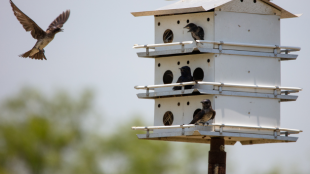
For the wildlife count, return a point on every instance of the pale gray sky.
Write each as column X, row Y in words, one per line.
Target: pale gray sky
column 95, row 51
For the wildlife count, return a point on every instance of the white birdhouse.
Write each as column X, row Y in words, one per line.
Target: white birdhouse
column 236, row 64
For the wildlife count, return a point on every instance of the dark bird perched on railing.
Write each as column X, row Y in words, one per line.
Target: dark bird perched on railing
column 186, row 76
column 196, row 31
column 43, row 37
column 206, row 114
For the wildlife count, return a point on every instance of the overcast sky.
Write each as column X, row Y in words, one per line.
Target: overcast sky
column 95, row 51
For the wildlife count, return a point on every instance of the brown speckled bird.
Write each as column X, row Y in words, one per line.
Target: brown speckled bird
column 206, row 114
column 43, row 37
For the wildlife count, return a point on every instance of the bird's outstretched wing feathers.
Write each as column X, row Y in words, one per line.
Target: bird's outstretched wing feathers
column 28, row 24
column 197, row 117
column 59, row 21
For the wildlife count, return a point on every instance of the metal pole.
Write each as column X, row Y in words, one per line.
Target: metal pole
column 217, row 156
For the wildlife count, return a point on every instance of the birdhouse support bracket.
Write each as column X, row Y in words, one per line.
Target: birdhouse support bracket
column 147, row 92
column 275, row 50
column 221, row 46
column 220, row 88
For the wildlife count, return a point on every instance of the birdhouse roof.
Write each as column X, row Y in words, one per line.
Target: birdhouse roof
column 191, row 6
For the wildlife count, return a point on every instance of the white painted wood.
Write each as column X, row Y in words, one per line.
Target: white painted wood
column 247, row 28
column 190, row 6
column 247, row 111
column 182, row 34
column 183, row 114
column 248, row 70
column 248, row 6
column 195, row 61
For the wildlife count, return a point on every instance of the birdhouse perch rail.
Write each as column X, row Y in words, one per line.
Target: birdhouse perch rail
column 284, row 130
column 289, row 48
column 150, row 87
column 286, row 49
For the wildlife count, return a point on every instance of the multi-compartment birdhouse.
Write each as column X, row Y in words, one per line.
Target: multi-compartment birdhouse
column 235, row 63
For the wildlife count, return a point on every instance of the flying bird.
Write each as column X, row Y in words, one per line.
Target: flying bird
column 43, row 37
column 186, row 76
column 196, row 31
column 206, row 114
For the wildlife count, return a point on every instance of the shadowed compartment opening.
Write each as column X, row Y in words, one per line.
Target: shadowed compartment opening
column 198, row 74
column 168, row 118
column 196, row 111
column 168, row 77
column 168, row 36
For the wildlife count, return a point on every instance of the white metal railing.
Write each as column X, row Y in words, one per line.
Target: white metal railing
column 275, row 88
column 163, row 45
column 286, row 49
column 251, row 45
column 276, row 130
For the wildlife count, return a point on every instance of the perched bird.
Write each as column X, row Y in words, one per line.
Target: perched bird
column 186, row 76
column 43, row 37
column 196, row 31
column 206, row 114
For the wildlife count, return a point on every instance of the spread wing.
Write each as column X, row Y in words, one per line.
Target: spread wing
column 28, row 24
column 197, row 117
column 59, row 21
column 213, row 115
column 200, row 33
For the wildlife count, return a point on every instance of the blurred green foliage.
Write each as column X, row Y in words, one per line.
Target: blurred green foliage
column 43, row 135
column 62, row 134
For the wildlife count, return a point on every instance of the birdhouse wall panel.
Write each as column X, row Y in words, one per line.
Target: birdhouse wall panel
column 203, row 61
column 249, row 6
column 247, row 28
column 162, row 23
column 182, row 114
column 247, row 111
column 249, row 70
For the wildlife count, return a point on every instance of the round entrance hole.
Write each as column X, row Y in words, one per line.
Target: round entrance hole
column 188, row 103
column 208, row 19
column 158, row 64
column 254, row 1
column 168, row 77
column 196, row 111
column 158, row 105
column 187, row 21
column 198, row 74
column 158, row 23
column 168, row 118
column 168, row 36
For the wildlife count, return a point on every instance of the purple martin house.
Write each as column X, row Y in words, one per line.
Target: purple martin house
column 237, row 66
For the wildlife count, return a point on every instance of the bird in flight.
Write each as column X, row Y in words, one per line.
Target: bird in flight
column 196, row 31
column 43, row 37
column 186, row 76
column 206, row 114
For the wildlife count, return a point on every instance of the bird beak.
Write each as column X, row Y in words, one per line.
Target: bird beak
column 62, row 30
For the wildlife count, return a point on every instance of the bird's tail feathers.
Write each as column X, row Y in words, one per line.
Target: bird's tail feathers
column 26, row 54
column 39, row 55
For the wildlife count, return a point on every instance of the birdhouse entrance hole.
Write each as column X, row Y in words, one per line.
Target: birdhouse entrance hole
column 196, row 111
column 198, row 74
column 168, row 118
column 168, row 77
column 168, row 36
